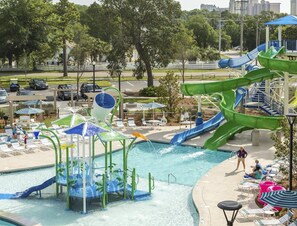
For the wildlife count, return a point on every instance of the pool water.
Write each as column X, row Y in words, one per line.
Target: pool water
column 170, row 205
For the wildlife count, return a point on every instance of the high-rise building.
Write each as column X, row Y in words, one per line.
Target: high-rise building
column 294, row 7
column 254, row 7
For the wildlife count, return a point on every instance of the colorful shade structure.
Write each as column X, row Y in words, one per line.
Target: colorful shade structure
column 85, row 129
column 35, row 102
column 70, row 120
column 282, row 198
column 29, row 111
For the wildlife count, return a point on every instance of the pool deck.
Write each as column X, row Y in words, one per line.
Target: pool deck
column 219, row 184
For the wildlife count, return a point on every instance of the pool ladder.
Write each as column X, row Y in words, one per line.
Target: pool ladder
column 170, row 175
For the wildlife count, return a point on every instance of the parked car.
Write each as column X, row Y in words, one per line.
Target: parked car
column 14, row 87
column 38, row 84
column 66, row 94
column 3, row 96
column 88, row 88
column 24, row 92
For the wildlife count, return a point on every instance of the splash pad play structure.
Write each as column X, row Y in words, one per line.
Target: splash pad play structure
column 265, row 89
column 74, row 143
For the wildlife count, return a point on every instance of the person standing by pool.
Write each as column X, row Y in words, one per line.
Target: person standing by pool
column 241, row 155
column 14, row 132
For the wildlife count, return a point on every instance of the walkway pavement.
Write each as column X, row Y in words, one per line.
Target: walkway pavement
column 219, row 184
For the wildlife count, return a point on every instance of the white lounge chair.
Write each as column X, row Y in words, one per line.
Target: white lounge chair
column 45, row 142
column 248, row 212
column 30, row 144
column 119, row 123
column 5, row 148
column 131, row 122
column 281, row 221
column 16, row 146
column 294, row 223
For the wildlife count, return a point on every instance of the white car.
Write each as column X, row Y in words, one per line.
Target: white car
column 3, row 96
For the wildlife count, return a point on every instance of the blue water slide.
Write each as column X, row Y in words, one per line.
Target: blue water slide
column 239, row 61
column 27, row 192
column 209, row 125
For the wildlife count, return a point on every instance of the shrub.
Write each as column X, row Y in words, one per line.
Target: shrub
column 151, row 91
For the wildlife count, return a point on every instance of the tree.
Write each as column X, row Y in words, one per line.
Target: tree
column 26, row 28
column 65, row 16
column 282, row 146
column 182, row 43
column 169, row 92
column 148, row 25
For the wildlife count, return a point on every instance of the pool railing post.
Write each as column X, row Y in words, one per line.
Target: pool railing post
column 104, row 191
column 67, row 179
column 133, row 183
column 58, row 140
column 125, row 169
column 105, row 156
column 150, row 182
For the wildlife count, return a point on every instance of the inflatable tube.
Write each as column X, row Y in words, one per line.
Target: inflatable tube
column 102, row 105
column 265, row 184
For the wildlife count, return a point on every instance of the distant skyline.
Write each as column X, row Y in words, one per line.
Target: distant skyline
column 195, row 4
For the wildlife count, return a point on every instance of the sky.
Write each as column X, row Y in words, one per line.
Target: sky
column 195, row 4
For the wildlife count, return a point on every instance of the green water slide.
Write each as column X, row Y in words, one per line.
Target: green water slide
column 236, row 122
column 221, row 86
column 273, row 60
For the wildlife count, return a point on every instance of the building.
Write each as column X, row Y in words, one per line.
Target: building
column 209, row 7
column 294, row 7
column 254, row 7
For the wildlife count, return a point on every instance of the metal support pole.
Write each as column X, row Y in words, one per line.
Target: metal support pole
column 94, row 76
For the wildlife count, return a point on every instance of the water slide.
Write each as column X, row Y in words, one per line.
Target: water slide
column 237, row 122
column 238, row 62
column 209, row 125
column 27, row 192
column 213, row 87
column 226, row 86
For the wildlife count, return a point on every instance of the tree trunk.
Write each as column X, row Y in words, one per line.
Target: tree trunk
column 145, row 58
column 65, row 61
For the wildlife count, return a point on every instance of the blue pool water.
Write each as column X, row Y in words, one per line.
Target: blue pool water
column 171, row 204
column 186, row 163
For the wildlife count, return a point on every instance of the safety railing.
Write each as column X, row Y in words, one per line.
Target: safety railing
column 170, row 175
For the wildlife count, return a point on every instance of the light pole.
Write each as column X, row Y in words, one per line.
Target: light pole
column 291, row 119
column 94, row 63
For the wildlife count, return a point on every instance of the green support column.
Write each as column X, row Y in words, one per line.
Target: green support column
column 67, row 179
column 104, row 198
column 124, row 169
column 56, row 161
column 110, row 157
column 105, row 156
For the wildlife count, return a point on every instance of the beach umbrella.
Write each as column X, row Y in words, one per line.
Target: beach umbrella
column 29, row 111
column 35, row 102
column 282, row 198
column 70, row 120
column 152, row 105
column 85, row 129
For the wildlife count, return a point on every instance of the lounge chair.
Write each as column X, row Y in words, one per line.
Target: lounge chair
column 281, row 221
column 143, row 122
column 131, row 122
column 248, row 212
column 294, row 223
column 16, row 146
column 119, row 123
column 5, row 148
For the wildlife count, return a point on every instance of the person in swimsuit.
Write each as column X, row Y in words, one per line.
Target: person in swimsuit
column 241, row 155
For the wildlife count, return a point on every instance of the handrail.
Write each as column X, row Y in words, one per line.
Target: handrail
column 171, row 175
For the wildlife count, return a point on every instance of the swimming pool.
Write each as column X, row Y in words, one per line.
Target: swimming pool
column 171, row 204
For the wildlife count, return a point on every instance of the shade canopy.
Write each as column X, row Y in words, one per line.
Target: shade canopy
column 153, row 105
column 70, row 120
column 35, row 102
column 85, row 129
column 29, row 111
column 282, row 198
column 286, row 20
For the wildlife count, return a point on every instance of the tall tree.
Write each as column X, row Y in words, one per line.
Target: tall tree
column 148, row 25
column 65, row 16
column 25, row 28
column 183, row 42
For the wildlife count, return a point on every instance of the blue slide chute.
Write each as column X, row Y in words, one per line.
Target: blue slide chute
column 26, row 193
column 209, row 125
column 238, row 62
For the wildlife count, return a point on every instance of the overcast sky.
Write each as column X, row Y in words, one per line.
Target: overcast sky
column 195, row 4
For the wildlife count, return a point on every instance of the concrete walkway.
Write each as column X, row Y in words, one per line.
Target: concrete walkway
column 220, row 183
